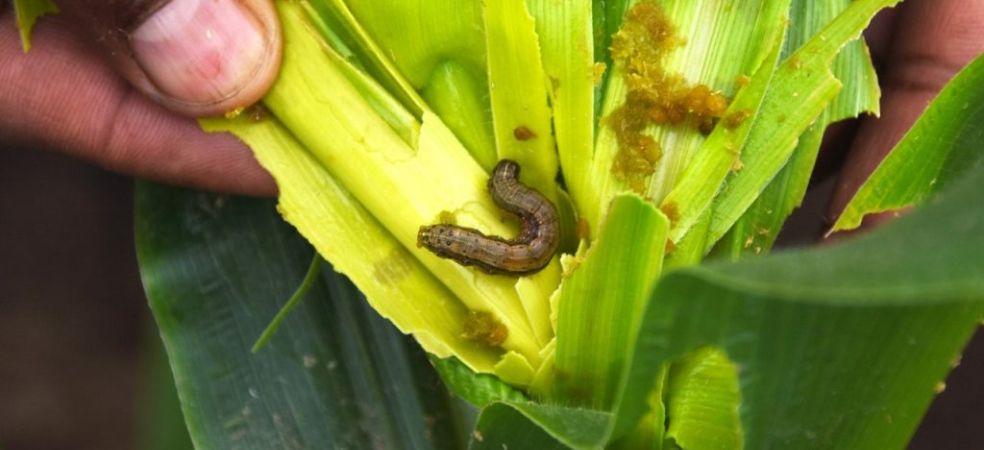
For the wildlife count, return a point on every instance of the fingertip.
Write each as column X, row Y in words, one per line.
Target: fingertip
column 206, row 57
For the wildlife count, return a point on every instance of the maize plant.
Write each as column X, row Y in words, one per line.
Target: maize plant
column 669, row 140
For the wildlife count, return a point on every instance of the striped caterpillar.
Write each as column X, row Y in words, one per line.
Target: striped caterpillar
column 529, row 252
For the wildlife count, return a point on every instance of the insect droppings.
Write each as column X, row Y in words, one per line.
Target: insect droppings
column 529, row 252
column 522, row 133
column 483, row 327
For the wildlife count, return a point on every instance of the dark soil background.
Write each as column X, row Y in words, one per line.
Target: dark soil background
column 73, row 318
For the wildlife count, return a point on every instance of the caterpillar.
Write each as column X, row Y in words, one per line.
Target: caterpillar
column 528, row 252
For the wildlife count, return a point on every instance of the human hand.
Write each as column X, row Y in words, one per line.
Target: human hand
column 117, row 82
column 918, row 48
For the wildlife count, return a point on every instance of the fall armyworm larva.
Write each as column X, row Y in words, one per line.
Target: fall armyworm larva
column 529, row 252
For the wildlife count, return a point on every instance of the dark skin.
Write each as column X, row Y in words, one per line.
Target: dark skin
column 68, row 95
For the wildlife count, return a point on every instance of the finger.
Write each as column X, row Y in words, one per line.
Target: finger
column 878, row 36
column 196, row 57
column 62, row 95
column 932, row 41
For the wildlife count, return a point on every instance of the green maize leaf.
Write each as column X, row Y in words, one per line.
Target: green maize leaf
column 28, row 12
column 534, row 426
column 461, row 100
column 216, row 269
column 650, row 431
column 723, row 43
column 389, row 110
column 314, row 270
column 419, row 34
column 756, row 231
column 605, row 361
column 396, row 285
column 602, row 299
column 692, row 248
column 852, row 66
column 702, row 402
column 758, row 228
column 806, row 79
column 439, row 46
column 523, row 432
column 840, row 347
column 348, row 36
column 606, row 18
column 477, row 389
column 160, row 425
column 564, row 29
column 702, row 179
column 941, row 146
column 523, row 130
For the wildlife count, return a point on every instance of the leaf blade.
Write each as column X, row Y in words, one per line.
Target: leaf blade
column 804, row 77
column 211, row 297
column 798, row 322
column 760, row 225
column 602, row 299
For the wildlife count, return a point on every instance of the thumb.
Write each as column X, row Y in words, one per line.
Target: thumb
column 196, row 57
